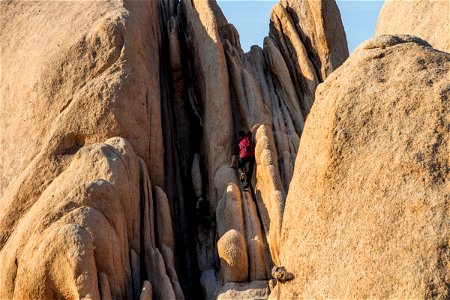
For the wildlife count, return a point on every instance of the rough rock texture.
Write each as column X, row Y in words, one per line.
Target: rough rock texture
column 367, row 210
column 86, row 222
column 269, row 188
column 318, row 26
column 233, row 256
column 103, row 283
column 281, row 275
column 258, row 255
column 252, row 290
column 168, row 80
column 229, row 211
column 427, row 19
column 276, row 85
column 70, row 212
column 270, row 85
column 65, row 82
column 204, row 19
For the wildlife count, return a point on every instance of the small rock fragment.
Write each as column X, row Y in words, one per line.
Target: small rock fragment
column 281, row 274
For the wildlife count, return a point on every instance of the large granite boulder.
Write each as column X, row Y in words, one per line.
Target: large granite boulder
column 367, row 210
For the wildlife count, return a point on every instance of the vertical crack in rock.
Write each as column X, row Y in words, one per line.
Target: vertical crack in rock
column 265, row 85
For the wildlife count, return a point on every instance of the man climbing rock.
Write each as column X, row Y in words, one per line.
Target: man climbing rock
column 245, row 148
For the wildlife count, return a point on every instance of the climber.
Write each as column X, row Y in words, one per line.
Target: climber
column 245, row 148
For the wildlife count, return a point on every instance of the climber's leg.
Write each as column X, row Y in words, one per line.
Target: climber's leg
column 248, row 168
column 241, row 166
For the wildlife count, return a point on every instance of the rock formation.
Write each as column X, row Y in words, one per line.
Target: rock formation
column 367, row 211
column 85, row 228
column 72, row 205
column 118, row 120
column 427, row 19
column 117, row 123
column 266, row 85
column 243, row 291
column 233, row 257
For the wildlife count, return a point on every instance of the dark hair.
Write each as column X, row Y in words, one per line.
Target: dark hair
column 241, row 133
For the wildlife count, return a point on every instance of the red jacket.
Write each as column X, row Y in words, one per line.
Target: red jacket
column 245, row 146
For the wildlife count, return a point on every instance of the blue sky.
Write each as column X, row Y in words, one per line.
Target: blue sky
column 252, row 18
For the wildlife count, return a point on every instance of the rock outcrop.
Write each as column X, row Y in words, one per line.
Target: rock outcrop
column 72, row 207
column 268, row 85
column 117, row 122
column 83, row 232
column 427, row 19
column 367, row 210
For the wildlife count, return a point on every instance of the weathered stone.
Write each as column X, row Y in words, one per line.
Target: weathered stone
column 175, row 283
column 270, row 195
column 223, row 178
column 259, row 261
column 229, row 213
column 281, row 275
column 204, row 20
column 286, row 90
column 427, row 19
column 250, row 290
column 365, row 215
column 162, row 286
column 81, row 199
column 79, row 73
column 170, row 78
column 233, row 257
column 319, row 26
column 92, row 208
column 72, row 70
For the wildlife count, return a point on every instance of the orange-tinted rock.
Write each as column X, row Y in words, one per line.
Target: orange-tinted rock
column 232, row 251
column 366, row 211
column 170, row 81
column 427, row 19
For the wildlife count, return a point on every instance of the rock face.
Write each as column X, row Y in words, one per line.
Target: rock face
column 427, row 19
column 71, row 207
column 76, row 213
column 253, row 290
column 312, row 32
column 118, row 120
column 232, row 252
column 68, row 85
column 85, row 222
column 268, row 85
column 367, row 210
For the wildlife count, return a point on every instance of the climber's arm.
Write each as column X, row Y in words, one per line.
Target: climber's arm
column 233, row 160
column 255, row 127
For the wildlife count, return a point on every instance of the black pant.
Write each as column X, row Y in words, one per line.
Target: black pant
column 246, row 164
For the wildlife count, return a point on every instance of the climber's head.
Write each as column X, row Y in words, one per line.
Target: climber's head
column 241, row 133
